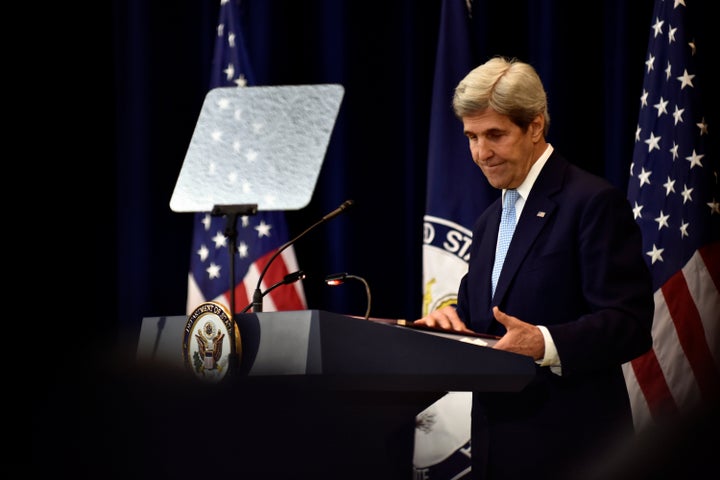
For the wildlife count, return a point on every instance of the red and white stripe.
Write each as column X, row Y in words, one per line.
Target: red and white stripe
column 284, row 298
column 681, row 373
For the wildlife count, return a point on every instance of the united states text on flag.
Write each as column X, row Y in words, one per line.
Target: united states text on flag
column 673, row 189
column 442, row 435
column 259, row 235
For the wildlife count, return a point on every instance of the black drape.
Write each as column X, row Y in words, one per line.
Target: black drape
column 591, row 58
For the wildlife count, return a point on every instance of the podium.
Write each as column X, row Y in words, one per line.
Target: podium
column 317, row 394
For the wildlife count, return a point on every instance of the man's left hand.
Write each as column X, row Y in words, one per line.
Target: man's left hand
column 521, row 337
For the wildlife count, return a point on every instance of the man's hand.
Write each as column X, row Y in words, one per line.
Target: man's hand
column 521, row 337
column 445, row 318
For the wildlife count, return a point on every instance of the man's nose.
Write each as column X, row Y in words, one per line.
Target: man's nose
column 481, row 151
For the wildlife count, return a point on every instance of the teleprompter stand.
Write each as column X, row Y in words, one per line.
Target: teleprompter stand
column 255, row 148
column 231, row 214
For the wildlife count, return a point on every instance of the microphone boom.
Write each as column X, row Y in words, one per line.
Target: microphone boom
column 257, row 303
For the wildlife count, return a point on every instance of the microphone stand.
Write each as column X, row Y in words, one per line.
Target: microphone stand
column 257, row 302
column 231, row 212
column 287, row 280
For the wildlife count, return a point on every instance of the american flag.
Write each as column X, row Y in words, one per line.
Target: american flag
column 259, row 235
column 673, row 189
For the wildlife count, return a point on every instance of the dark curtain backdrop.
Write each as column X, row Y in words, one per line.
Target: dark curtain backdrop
column 590, row 55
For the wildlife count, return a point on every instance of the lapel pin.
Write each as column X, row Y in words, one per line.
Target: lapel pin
column 541, row 214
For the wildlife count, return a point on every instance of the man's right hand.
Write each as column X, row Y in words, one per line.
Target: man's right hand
column 445, row 318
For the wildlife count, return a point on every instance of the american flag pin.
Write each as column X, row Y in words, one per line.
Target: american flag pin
column 541, row 214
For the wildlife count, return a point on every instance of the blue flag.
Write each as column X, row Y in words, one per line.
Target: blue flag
column 260, row 235
column 457, row 193
column 673, row 188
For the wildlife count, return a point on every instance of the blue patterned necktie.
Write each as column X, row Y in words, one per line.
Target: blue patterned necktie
column 507, row 227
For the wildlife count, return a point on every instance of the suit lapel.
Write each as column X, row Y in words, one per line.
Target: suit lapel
column 538, row 210
column 487, row 243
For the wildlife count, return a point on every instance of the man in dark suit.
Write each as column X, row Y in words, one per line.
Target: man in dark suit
column 573, row 293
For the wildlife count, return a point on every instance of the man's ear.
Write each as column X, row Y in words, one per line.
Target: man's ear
column 537, row 127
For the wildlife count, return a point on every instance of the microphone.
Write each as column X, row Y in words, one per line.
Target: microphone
column 339, row 279
column 345, row 205
column 257, row 303
column 287, row 279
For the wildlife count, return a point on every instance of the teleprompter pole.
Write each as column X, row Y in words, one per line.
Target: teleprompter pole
column 231, row 213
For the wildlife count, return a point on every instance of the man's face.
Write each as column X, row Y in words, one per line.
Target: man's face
column 501, row 149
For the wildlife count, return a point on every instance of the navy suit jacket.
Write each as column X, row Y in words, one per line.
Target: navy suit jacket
column 576, row 266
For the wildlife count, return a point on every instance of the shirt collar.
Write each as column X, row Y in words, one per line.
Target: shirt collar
column 526, row 185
